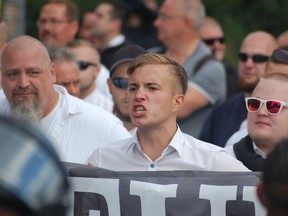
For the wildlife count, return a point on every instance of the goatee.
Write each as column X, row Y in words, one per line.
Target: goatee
column 26, row 110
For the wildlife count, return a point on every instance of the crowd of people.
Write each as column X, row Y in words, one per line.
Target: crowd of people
column 149, row 93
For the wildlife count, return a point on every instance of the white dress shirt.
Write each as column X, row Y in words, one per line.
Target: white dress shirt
column 238, row 135
column 2, row 95
column 101, row 82
column 116, row 41
column 183, row 153
column 77, row 128
column 97, row 98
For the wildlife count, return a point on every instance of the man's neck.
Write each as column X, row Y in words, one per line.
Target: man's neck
column 265, row 147
column 125, row 118
column 54, row 101
column 247, row 94
column 153, row 141
column 106, row 41
column 88, row 90
column 128, row 125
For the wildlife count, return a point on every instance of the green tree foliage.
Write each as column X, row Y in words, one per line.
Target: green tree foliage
column 237, row 17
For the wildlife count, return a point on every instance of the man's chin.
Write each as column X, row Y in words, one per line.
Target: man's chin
column 248, row 87
column 26, row 111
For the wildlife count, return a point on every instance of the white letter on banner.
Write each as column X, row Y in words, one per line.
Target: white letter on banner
column 249, row 194
column 152, row 196
column 109, row 188
column 218, row 196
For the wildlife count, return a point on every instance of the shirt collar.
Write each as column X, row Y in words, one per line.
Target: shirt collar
column 177, row 143
column 116, row 41
column 70, row 102
column 258, row 151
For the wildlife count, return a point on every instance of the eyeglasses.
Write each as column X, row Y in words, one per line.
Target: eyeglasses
column 257, row 58
column 53, row 22
column 121, row 83
column 83, row 65
column 165, row 17
column 211, row 41
column 273, row 107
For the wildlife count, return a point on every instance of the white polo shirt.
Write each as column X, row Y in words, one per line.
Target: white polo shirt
column 76, row 128
column 183, row 153
column 98, row 98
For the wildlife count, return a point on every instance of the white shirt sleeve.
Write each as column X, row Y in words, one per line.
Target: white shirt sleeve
column 225, row 162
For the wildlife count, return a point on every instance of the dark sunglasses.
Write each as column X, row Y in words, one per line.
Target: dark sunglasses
column 121, row 83
column 257, row 58
column 83, row 65
column 211, row 41
column 273, row 107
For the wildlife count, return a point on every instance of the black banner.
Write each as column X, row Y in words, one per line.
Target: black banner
column 100, row 192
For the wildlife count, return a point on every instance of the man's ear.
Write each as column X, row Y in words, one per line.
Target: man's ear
column 179, row 101
column 189, row 22
column 117, row 23
column 74, row 27
column 109, row 83
column 53, row 72
column 261, row 194
column 97, row 71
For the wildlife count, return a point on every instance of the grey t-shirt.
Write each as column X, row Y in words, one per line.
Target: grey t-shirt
column 210, row 79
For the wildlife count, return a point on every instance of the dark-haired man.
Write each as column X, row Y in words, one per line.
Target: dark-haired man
column 118, row 82
column 58, row 22
column 108, row 28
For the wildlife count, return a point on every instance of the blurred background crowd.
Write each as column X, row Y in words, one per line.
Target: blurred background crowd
column 237, row 17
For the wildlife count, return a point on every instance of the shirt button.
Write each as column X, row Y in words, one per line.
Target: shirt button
column 152, row 165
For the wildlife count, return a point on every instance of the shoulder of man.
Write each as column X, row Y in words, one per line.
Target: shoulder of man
column 76, row 106
column 202, row 60
column 4, row 106
column 226, row 105
column 96, row 119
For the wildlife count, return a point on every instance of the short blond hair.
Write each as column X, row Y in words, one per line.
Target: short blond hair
column 159, row 59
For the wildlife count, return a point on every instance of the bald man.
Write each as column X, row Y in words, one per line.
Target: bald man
column 278, row 62
column 178, row 30
column 226, row 119
column 212, row 34
column 283, row 39
column 75, row 127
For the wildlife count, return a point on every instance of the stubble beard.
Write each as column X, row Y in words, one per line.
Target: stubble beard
column 122, row 116
column 247, row 87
